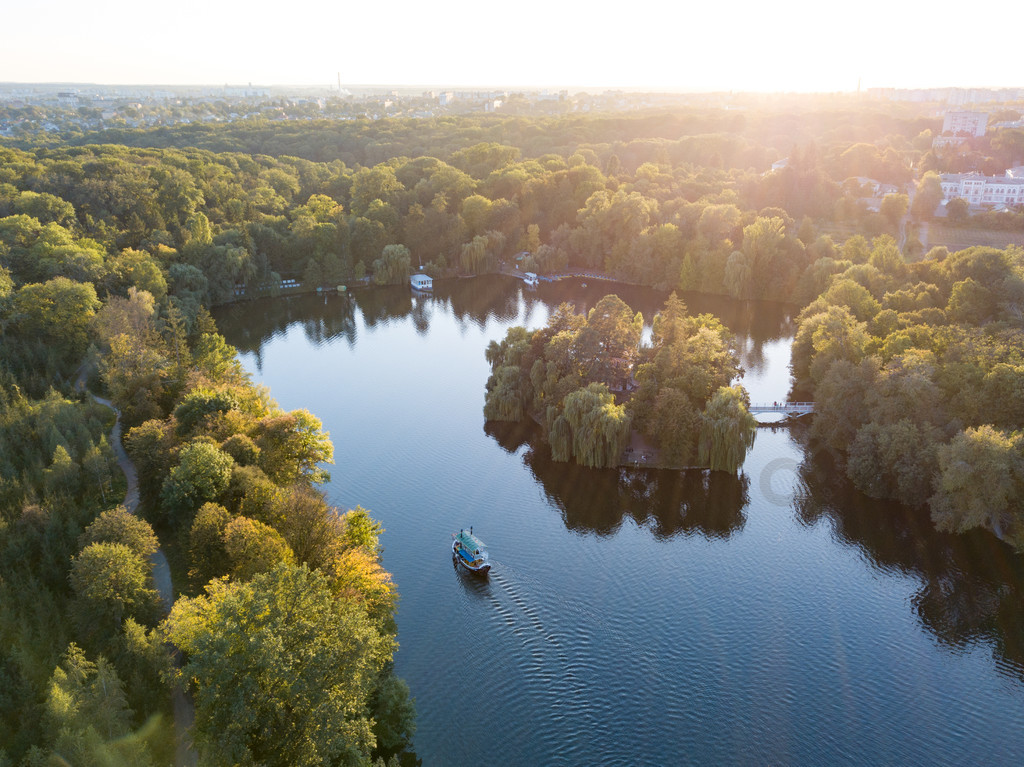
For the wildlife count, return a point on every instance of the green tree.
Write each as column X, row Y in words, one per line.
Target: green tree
column 57, row 313
column 292, row 446
column 311, row 528
column 958, row 210
column 253, row 548
column 281, row 670
column 394, row 714
column 476, row 212
column 376, row 183
column 136, row 373
column 600, row 428
column 739, row 276
column 887, row 259
column 894, row 459
column 97, row 463
column 111, row 582
column 136, row 269
column 64, row 476
column 202, row 474
column 506, row 399
column 393, row 267
column 727, row 430
column 825, row 337
column 207, row 556
column 894, row 208
column 676, row 425
column 88, row 715
column 118, row 525
column 840, row 402
column 608, row 345
column 981, row 482
column 359, row 530
column 929, row 195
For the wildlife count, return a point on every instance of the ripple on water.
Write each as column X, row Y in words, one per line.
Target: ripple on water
column 780, row 619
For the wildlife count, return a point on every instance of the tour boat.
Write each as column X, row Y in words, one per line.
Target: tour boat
column 470, row 552
column 531, row 279
column 421, row 282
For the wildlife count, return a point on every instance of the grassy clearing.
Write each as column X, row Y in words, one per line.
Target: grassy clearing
column 956, row 238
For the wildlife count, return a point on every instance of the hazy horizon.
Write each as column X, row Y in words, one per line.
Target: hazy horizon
column 795, row 48
column 504, row 87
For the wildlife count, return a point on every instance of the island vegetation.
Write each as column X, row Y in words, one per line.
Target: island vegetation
column 114, row 245
column 589, row 382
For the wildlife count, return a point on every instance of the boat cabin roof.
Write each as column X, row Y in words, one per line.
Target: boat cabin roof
column 470, row 541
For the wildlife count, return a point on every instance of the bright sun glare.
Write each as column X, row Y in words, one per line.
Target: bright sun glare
column 745, row 45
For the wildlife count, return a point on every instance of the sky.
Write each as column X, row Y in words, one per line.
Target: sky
column 738, row 45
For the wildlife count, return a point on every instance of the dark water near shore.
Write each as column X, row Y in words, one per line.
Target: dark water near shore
column 641, row 618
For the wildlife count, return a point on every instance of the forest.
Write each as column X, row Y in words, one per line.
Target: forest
column 113, row 246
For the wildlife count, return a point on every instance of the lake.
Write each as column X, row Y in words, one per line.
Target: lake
column 640, row 617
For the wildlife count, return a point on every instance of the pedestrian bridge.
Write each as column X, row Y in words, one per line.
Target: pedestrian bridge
column 794, row 409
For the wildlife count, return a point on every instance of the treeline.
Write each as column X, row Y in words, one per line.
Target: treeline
column 228, row 481
column 917, row 371
column 675, row 391
column 776, row 126
column 208, row 228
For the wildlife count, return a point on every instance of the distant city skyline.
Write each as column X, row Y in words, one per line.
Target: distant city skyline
column 798, row 46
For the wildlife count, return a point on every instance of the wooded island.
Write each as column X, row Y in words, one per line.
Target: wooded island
column 589, row 383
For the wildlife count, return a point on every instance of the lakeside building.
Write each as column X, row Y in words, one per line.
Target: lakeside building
column 985, row 191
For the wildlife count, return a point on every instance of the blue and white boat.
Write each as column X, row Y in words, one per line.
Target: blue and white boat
column 531, row 280
column 422, row 283
column 470, row 552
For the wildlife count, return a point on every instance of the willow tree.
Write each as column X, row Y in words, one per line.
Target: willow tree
column 508, row 388
column 600, row 428
column 504, row 400
column 560, row 437
column 726, row 431
column 739, row 275
column 393, row 266
column 981, row 483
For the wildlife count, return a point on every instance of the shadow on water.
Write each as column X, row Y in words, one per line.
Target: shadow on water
column 478, row 300
column 322, row 317
column 669, row 503
column 476, row 586
column 971, row 584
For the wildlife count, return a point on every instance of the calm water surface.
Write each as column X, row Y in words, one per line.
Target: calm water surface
column 641, row 618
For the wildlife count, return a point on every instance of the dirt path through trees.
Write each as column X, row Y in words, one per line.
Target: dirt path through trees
column 184, row 710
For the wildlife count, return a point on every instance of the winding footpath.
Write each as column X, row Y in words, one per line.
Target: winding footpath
column 184, row 710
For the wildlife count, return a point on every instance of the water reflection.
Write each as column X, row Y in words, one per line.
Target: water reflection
column 669, row 503
column 251, row 324
column 971, row 584
column 479, row 300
